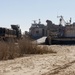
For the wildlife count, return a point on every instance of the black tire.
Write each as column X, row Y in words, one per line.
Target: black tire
column 47, row 41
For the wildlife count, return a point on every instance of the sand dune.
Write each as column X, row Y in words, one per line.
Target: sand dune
column 60, row 63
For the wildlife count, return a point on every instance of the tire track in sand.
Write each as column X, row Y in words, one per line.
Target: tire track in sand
column 58, row 69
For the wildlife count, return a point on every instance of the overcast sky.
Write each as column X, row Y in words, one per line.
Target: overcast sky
column 22, row 12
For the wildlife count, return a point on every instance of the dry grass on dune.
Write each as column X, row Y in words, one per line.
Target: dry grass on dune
column 10, row 50
column 27, row 47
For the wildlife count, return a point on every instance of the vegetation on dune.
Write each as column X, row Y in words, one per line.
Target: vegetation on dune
column 10, row 50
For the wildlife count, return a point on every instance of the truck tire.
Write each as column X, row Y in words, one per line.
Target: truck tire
column 48, row 41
